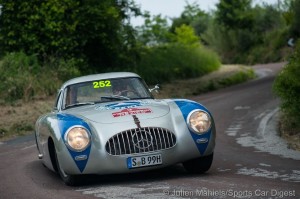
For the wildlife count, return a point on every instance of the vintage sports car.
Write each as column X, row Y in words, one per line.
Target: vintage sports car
column 110, row 123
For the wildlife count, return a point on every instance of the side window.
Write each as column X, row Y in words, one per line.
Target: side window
column 56, row 105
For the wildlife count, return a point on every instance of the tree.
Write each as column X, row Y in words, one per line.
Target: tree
column 234, row 14
column 97, row 31
column 185, row 35
column 38, row 27
column 154, row 31
column 192, row 16
column 295, row 23
column 107, row 38
column 267, row 18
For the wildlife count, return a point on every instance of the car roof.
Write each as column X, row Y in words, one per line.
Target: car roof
column 99, row 76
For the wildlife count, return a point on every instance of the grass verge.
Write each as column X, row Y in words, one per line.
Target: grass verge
column 19, row 118
column 226, row 76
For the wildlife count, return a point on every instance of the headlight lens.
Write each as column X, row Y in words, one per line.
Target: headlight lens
column 77, row 138
column 199, row 121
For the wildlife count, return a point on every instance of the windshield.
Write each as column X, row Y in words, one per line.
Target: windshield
column 105, row 90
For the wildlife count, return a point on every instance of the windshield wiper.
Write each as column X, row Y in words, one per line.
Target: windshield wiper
column 80, row 104
column 118, row 97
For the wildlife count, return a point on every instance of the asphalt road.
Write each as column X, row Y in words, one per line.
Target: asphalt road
column 250, row 161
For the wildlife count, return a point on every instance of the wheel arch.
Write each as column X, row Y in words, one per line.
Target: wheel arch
column 51, row 148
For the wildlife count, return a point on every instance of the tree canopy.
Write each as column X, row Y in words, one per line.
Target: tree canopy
column 97, row 31
column 235, row 14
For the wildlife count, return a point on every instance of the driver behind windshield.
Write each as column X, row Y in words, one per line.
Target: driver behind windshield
column 119, row 89
column 122, row 88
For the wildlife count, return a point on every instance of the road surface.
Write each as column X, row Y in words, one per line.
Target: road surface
column 250, row 161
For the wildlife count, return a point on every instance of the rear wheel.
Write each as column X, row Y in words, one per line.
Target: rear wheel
column 70, row 180
column 199, row 165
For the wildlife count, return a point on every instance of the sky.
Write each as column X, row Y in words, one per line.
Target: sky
column 173, row 8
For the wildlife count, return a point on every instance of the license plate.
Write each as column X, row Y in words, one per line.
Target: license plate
column 144, row 161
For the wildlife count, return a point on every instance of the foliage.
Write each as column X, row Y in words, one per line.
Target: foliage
column 67, row 38
column 267, row 18
column 192, row 16
column 23, row 78
column 186, row 35
column 97, row 31
column 16, row 78
column 231, row 74
column 272, row 49
column 287, row 86
column 176, row 61
column 295, row 21
column 239, row 77
column 172, row 55
column 155, row 30
column 230, row 44
column 181, row 57
column 262, row 40
column 235, row 14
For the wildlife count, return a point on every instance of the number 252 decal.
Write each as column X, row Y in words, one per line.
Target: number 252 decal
column 101, row 84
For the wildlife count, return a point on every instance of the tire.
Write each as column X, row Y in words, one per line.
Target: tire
column 199, row 165
column 70, row 180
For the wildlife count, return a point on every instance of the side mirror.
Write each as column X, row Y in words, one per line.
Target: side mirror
column 156, row 88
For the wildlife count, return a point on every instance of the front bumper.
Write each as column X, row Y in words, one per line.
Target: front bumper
column 101, row 162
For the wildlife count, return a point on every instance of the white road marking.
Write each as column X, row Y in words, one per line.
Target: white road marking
column 260, row 116
column 267, row 140
column 231, row 133
column 241, row 107
column 263, row 123
column 245, row 134
column 125, row 192
column 233, row 129
column 28, row 147
column 236, row 127
column 264, row 165
column 1, row 143
column 258, row 172
column 223, row 170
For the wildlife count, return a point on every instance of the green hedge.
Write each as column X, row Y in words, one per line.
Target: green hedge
column 287, row 86
column 175, row 61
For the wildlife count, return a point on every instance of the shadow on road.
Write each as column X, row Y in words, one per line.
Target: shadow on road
column 44, row 177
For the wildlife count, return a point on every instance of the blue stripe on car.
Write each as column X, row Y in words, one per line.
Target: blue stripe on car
column 65, row 121
column 186, row 106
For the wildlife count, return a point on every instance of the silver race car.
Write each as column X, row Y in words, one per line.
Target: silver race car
column 110, row 123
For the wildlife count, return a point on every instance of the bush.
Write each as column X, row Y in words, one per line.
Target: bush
column 22, row 77
column 237, row 78
column 16, row 75
column 287, row 86
column 272, row 49
column 175, row 61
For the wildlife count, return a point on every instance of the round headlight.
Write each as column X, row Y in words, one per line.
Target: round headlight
column 77, row 138
column 199, row 121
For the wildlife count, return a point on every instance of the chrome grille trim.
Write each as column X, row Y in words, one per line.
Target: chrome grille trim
column 140, row 140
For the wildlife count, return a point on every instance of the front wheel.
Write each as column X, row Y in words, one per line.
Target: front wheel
column 199, row 165
column 70, row 180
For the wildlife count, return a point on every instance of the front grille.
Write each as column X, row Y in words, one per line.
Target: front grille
column 140, row 140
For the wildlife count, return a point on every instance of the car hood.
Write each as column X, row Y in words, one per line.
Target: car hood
column 122, row 111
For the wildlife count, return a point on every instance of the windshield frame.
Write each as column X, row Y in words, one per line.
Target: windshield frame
column 65, row 105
